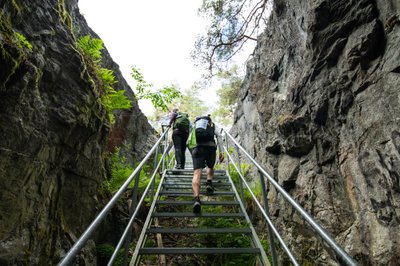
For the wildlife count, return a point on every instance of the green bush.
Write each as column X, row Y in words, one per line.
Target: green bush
column 104, row 253
column 121, row 170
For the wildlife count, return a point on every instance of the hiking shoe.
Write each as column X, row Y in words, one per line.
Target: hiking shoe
column 209, row 188
column 197, row 206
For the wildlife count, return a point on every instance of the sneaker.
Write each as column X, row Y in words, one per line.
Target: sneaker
column 197, row 206
column 209, row 188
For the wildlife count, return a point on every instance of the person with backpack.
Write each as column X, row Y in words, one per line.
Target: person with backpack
column 181, row 125
column 208, row 138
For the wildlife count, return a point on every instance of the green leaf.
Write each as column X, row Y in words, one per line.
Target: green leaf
column 111, row 99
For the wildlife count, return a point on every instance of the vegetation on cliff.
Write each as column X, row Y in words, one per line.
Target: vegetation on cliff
column 103, row 77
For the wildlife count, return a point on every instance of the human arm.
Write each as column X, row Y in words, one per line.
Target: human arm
column 219, row 138
column 172, row 119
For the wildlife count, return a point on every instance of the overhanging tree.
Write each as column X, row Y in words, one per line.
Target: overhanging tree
column 233, row 23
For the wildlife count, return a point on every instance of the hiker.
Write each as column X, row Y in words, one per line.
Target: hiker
column 204, row 154
column 181, row 125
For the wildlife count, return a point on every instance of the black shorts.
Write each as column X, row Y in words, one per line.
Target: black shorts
column 204, row 155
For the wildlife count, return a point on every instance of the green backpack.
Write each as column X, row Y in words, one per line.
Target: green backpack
column 182, row 122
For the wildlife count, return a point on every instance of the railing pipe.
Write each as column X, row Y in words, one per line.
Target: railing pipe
column 154, row 167
column 240, row 170
column 70, row 256
column 131, row 208
column 287, row 250
column 227, row 159
column 256, row 241
column 132, row 219
column 270, row 232
column 165, row 148
column 331, row 242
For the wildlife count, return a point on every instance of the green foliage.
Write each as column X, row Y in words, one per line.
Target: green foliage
column 111, row 99
column 23, row 41
column 12, row 50
column 107, row 78
column 159, row 98
column 189, row 103
column 92, row 47
column 121, row 170
column 232, row 24
column 228, row 240
column 256, row 186
column 117, row 100
column 228, row 95
column 104, row 253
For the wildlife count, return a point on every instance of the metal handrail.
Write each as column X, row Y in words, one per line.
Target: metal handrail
column 266, row 216
column 345, row 258
column 80, row 243
column 141, row 201
column 256, row 240
column 165, row 160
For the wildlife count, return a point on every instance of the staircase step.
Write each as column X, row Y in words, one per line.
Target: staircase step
column 185, row 250
column 189, row 185
column 202, row 191
column 181, row 193
column 184, row 177
column 190, row 214
column 199, row 230
column 216, row 172
column 205, row 203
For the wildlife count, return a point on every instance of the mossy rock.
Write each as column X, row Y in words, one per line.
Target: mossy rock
column 12, row 54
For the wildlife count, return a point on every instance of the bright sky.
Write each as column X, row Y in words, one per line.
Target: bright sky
column 156, row 36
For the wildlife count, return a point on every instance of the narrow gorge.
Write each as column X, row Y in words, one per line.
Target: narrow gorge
column 319, row 108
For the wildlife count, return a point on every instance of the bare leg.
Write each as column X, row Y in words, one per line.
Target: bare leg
column 196, row 182
column 210, row 174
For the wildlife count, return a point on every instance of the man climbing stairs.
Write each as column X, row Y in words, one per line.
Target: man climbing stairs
column 222, row 233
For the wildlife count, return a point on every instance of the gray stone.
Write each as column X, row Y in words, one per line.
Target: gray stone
column 324, row 82
column 53, row 133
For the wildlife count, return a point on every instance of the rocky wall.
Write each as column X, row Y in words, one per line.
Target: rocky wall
column 53, row 132
column 321, row 97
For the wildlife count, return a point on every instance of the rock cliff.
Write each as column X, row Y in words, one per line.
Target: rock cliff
column 53, row 131
column 320, row 108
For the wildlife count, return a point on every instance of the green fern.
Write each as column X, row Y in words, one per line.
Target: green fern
column 111, row 99
column 91, row 47
column 107, row 78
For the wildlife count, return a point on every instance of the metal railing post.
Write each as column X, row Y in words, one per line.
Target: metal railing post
column 227, row 150
column 165, row 148
column 283, row 244
column 131, row 209
column 240, row 171
column 79, row 244
column 153, row 183
column 266, row 209
column 339, row 251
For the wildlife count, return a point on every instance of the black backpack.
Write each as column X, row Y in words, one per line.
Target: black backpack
column 205, row 129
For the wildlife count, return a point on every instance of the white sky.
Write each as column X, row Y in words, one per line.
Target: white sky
column 156, row 36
